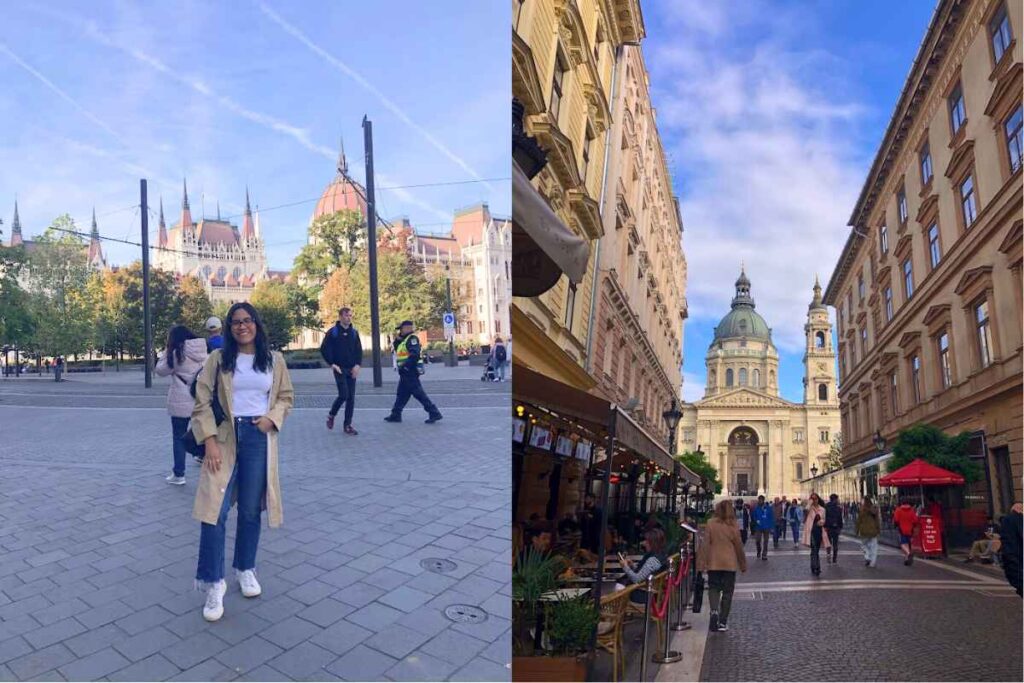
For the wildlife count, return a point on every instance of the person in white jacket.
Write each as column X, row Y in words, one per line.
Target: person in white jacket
column 182, row 359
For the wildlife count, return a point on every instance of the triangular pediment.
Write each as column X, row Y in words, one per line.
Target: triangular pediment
column 745, row 398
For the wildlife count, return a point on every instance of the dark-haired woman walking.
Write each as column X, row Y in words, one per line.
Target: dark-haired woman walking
column 241, row 464
column 182, row 359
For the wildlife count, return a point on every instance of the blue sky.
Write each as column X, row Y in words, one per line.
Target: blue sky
column 770, row 114
column 95, row 96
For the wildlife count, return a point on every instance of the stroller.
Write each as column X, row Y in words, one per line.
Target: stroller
column 489, row 373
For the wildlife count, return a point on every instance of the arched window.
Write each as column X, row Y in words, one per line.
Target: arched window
column 728, row 377
column 822, row 392
column 743, row 377
column 757, row 378
column 819, row 340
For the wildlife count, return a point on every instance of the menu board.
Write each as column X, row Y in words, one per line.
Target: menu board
column 540, row 437
column 564, row 446
column 583, row 449
column 518, row 430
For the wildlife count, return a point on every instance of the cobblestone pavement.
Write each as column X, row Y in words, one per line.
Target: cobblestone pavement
column 97, row 553
column 936, row 620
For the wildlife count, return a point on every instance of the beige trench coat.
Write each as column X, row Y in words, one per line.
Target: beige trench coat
column 211, row 489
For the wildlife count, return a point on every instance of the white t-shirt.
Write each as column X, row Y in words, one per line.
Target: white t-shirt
column 250, row 389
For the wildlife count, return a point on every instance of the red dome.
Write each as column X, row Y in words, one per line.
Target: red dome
column 340, row 195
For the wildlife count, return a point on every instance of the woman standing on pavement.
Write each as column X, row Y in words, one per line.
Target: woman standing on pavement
column 868, row 526
column 182, row 359
column 813, row 532
column 720, row 556
column 255, row 391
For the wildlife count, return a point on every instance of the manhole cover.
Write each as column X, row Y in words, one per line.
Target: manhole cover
column 437, row 565
column 465, row 614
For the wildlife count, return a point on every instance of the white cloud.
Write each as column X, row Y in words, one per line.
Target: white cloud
column 759, row 135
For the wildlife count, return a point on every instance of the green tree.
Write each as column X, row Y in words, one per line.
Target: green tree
column 333, row 243
column 196, row 307
column 404, row 292
column 58, row 272
column 16, row 321
column 699, row 465
column 272, row 300
column 933, row 445
column 123, row 307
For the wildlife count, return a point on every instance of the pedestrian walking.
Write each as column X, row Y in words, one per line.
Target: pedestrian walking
column 743, row 519
column 214, row 337
column 343, row 351
column 796, row 518
column 905, row 519
column 833, row 525
column 408, row 354
column 508, row 354
column 868, row 526
column 46, row 364
column 58, row 368
column 255, row 394
column 779, row 517
column 721, row 555
column 764, row 525
column 1010, row 535
column 784, row 518
column 182, row 359
column 814, row 535
column 497, row 359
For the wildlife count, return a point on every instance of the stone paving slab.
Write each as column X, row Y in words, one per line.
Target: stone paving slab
column 97, row 553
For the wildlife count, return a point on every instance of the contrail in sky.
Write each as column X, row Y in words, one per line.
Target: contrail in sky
column 358, row 78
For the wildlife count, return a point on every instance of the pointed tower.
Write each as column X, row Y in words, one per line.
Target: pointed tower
column 186, row 213
column 256, row 224
column 162, row 243
column 819, row 356
column 16, row 227
column 248, row 229
column 342, row 161
column 95, row 257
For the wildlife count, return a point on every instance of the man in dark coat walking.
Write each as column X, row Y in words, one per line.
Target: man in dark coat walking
column 1010, row 535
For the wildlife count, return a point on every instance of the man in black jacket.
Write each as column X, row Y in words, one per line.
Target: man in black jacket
column 833, row 524
column 343, row 351
column 1010, row 535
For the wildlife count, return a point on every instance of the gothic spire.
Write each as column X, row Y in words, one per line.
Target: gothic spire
column 248, row 228
column 163, row 226
column 16, row 226
column 95, row 232
column 184, row 200
column 342, row 161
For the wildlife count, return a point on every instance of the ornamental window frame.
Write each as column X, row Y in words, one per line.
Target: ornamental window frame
column 957, row 108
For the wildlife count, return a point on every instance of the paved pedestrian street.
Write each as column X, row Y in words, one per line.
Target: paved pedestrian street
column 392, row 562
column 937, row 620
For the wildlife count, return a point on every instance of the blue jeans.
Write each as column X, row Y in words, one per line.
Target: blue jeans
column 250, row 476
column 795, row 526
column 501, row 371
column 179, row 428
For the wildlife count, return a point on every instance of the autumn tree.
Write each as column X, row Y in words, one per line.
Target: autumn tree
column 334, row 242
column 196, row 307
column 273, row 300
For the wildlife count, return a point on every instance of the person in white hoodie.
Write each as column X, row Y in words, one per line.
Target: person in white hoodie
column 182, row 359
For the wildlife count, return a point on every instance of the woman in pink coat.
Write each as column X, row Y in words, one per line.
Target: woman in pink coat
column 812, row 534
column 183, row 358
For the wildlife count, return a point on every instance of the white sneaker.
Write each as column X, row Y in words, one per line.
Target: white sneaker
column 174, row 480
column 247, row 580
column 214, row 607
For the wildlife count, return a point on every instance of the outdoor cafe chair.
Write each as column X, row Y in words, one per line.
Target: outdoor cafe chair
column 658, row 589
column 609, row 629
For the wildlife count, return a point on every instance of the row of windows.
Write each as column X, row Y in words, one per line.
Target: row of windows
column 743, row 376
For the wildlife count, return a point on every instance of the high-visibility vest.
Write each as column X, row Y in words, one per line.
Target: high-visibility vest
column 402, row 352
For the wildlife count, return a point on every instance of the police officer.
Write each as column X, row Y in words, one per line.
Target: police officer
column 410, row 366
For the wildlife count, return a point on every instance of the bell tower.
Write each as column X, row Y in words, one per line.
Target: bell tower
column 819, row 355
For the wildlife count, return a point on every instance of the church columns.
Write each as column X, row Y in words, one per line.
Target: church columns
column 724, row 457
column 760, row 473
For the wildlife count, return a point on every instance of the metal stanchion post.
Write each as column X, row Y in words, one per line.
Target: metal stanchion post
column 681, row 597
column 647, row 624
column 668, row 656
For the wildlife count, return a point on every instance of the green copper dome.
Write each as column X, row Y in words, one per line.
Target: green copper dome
column 743, row 320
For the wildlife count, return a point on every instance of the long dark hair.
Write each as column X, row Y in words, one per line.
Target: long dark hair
column 176, row 338
column 263, row 360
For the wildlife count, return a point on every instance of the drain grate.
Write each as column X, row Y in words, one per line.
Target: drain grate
column 438, row 566
column 465, row 614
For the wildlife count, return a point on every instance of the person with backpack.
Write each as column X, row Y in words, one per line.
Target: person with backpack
column 181, row 360
column 498, row 358
column 795, row 517
column 868, row 527
column 343, row 351
column 833, row 525
column 764, row 526
column 243, row 395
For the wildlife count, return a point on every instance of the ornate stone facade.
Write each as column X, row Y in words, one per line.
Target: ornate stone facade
column 760, row 442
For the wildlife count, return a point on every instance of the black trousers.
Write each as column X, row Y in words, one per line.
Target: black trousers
column 720, row 588
column 346, row 384
column 409, row 387
column 743, row 536
column 833, row 538
column 815, row 549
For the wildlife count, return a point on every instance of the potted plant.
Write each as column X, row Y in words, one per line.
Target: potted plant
column 570, row 626
column 534, row 575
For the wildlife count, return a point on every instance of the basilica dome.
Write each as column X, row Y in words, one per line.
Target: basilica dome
column 743, row 322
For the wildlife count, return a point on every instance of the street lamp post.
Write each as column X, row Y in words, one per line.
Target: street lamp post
column 672, row 417
column 879, row 442
column 814, row 471
column 448, row 299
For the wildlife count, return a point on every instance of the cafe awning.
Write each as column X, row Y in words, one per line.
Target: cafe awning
column 921, row 473
column 595, row 414
column 543, row 247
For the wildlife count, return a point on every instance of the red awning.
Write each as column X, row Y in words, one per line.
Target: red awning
column 921, row 473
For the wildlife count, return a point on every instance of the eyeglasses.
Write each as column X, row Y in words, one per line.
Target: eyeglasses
column 246, row 322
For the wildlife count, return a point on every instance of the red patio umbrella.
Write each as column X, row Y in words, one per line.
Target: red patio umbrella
column 920, row 473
